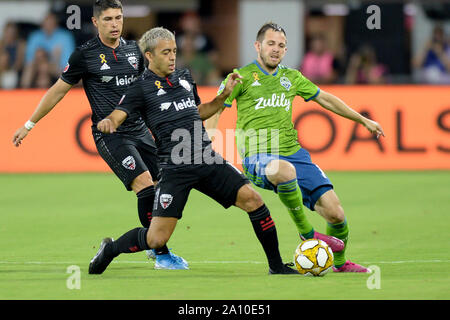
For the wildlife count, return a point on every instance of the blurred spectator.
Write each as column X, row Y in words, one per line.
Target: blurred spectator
column 57, row 43
column 39, row 74
column 196, row 51
column 363, row 68
column 433, row 62
column 203, row 70
column 190, row 25
column 319, row 64
column 12, row 52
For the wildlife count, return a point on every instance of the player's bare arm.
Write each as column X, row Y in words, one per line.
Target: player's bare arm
column 47, row 103
column 336, row 105
column 206, row 110
column 112, row 122
column 212, row 122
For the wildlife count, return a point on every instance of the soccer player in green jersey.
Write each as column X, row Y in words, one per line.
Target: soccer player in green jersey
column 267, row 141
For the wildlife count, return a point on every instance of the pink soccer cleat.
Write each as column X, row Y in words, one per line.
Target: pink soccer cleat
column 352, row 267
column 334, row 243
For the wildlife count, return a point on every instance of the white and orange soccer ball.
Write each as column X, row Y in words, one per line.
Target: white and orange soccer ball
column 313, row 257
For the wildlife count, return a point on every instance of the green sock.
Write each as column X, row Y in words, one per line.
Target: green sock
column 340, row 231
column 291, row 196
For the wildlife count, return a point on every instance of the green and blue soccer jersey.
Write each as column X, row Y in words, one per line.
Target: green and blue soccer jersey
column 264, row 109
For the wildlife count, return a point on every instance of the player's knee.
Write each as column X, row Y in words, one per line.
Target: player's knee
column 160, row 231
column 329, row 207
column 155, row 242
column 336, row 214
column 141, row 182
column 156, row 239
column 279, row 171
column 248, row 199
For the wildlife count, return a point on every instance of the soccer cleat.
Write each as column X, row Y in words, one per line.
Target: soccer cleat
column 150, row 254
column 352, row 267
column 100, row 262
column 285, row 269
column 170, row 261
column 334, row 243
column 179, row 259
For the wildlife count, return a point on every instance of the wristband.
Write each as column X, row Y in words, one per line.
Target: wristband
column 29, row 125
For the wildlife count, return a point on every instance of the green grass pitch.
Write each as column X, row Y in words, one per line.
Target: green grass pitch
column 399, row 221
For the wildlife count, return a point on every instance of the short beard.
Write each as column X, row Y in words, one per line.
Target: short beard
column 269, row 66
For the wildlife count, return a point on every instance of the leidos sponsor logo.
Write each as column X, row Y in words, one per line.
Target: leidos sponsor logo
column 274, row 101
column 189, row 103
column 125, row 81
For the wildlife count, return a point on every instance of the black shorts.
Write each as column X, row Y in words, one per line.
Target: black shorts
column 129, row 156
column 218, row 181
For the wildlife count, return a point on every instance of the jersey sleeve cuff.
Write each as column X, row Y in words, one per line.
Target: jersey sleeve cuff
column 67, row 81
column 227, row 105
column 123, row 109
column 317, row 93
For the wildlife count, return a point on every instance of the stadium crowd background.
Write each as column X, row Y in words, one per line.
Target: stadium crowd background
column 329, row 42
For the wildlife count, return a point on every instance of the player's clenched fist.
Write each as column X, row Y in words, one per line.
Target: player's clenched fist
column 106, row 126
column 374, row 127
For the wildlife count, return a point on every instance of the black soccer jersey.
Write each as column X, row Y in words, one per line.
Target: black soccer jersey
column 169, row 109
column 106, row 73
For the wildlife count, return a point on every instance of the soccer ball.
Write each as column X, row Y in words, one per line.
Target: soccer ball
column 313, row 257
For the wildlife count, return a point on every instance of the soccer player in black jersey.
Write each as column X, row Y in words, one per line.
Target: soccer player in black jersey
column 168, row 101
column 108, row 64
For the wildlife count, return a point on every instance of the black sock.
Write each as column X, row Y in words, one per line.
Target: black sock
column 132, row 241
column 265, row 230
column 145, row 201
column 146, row 198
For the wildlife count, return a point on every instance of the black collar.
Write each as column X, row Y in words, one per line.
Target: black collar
column 121, row 40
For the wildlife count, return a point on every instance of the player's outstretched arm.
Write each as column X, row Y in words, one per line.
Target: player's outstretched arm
column 47, row 103
column 207, row 110
column 112, row 122
column 336, row 105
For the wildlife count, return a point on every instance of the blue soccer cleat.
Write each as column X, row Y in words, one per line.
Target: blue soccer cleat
column 170, row 261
